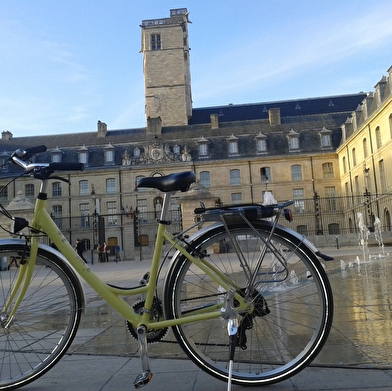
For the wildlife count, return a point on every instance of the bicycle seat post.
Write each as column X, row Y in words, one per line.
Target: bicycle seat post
column 166, row 206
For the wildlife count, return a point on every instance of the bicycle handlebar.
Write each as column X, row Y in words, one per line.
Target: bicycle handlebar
column 66, row 166
column 45, row 169
column 29, row 152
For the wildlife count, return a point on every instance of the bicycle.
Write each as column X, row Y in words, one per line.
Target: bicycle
column 242, row 284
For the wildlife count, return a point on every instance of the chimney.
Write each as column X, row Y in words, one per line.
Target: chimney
column 214, row 121
column 7, row 135
column 154, row 125
column 102, row 129
column 380, row 88
column 347, row 129
column 274, row 116
column 367, row 105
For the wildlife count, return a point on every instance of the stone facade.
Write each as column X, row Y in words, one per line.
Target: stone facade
column 295, row 149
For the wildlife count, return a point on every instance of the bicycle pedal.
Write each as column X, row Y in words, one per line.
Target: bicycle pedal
column 142, row 379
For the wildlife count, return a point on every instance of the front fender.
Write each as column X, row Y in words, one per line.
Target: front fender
column 54, row 252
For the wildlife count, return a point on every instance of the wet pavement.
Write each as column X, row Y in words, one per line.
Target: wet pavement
column 357, row 355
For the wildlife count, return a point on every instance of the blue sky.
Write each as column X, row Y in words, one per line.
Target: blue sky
column 67, row 64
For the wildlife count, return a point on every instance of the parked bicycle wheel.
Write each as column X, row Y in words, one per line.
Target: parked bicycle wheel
column 45, row 322
column 292, row 304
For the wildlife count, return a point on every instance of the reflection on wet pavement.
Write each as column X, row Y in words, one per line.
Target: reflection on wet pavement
column 362, row 321
column 360, row 336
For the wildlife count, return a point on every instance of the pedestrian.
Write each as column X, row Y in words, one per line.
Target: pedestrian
column 117, row 252
column 80, row 249
column 100, row 253
column 105, row 251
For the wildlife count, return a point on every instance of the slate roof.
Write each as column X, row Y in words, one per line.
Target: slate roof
column 305, row 116
column 291, row 108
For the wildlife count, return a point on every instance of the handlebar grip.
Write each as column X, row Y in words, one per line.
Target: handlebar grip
column 66, row 166
column 27, row 153
column 33, row 150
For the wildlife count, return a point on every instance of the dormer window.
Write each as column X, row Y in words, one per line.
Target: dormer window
column 176, row 150
column 136, row 152
column 83, row 153
column 56, row 155
column 293, row 140
column 203, row 147
column 232, row 145
column 326, row 138
column 261, row 143
column 4, row 157
column 109, row 154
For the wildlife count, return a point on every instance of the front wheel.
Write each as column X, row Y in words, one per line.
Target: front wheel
column 291, row 295
column 45, row 322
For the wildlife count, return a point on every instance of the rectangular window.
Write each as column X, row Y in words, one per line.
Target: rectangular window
column 296, row 172
column 236, row 198
column 326, row 140
column 356, row 185
column 330, row 199
column 112, row 212
column 156, row 42
column 235, row 177
column 84, row 215
column 4, row 194
column 57, row 214
column 29, row 191
column 205, row 179
column 328, row 170
column 175, row 210
column 293, row 143
column 83, row 188
column 110, row 185
column 203, row 150
column 142, row 211
column 261, row 145
column 56, row 189
column 381, row 171
column 233, row 147
column 299, row 202
column 56, row 158
column 265, row 175
column 83, row 157
column 109, row 156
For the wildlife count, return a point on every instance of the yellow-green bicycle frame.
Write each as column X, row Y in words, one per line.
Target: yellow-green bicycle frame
column 42, row 222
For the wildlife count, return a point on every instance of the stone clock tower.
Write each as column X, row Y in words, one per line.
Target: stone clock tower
column 167, row 81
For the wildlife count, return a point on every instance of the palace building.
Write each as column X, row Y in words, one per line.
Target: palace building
column 331, row 154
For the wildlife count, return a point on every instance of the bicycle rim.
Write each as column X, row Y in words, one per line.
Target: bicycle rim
column 45, row 322
column 292, row 300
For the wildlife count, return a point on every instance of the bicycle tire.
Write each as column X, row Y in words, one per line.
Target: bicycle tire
column 46, row 321
column 277, row 344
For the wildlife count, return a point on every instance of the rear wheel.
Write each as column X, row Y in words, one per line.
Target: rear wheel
column 46, row 321
column 292, row 303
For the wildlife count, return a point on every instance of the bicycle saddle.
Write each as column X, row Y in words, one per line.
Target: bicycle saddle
column 172, row 182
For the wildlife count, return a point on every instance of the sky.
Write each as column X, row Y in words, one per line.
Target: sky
column 67, row 64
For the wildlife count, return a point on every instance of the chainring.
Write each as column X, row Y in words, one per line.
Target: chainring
column 155, row 335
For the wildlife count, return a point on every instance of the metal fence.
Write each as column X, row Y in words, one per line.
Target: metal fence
column 312, row 217
column 341, row 215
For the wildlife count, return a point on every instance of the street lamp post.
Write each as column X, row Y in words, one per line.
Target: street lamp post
column 95, row 223
column 368, row 202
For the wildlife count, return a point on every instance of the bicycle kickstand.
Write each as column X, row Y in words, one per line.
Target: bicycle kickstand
column 229, row 314
column 143, row 378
